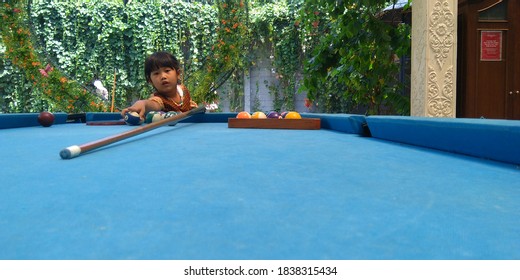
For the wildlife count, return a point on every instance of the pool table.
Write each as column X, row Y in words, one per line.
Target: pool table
column 360, row 187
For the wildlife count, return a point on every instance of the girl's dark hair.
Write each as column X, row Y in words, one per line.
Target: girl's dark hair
column 158, row 60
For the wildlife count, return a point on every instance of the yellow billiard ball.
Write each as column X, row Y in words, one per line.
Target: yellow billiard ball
column 293, row 115
column 258, row 115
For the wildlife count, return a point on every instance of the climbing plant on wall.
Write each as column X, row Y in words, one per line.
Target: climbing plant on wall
column 53, row 50
column 352, row 56
column 109, row 41
column 276, row 27
column 97, row 40
column 227, row 58
column 49, row 88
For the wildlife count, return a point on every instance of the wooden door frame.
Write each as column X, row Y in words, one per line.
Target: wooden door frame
column 514, row 83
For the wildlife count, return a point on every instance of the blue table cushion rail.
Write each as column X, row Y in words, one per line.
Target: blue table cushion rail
column 497, row 140
column 483, row 138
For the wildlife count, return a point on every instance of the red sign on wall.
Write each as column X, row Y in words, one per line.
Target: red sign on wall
column 491, row 46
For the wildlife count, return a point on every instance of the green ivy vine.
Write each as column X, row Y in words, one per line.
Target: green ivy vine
column 352, row 56
column 42, row 86
column 109, row 41
column 276, row 28
column 340, row 53
column 95, row 40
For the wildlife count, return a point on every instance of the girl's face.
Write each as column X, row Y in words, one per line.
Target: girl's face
column 164, row 80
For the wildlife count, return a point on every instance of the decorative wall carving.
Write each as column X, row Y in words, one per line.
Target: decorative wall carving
column 441, row 30
column 440, row 102
column 435, row 97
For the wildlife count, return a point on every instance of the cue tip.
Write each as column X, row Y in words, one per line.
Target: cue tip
column 70, row 152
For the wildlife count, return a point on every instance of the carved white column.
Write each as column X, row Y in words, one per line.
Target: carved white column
column 434, row 58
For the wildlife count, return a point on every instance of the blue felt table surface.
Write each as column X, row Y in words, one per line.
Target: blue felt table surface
column 203, row 191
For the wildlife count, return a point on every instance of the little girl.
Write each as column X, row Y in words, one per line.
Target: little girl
column 162, row 70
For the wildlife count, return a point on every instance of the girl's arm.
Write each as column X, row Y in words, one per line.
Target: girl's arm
column 142, row 107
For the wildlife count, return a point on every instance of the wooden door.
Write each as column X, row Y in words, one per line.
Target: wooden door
column 488, row 59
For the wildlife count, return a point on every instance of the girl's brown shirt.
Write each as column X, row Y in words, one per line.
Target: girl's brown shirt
column 168, row 104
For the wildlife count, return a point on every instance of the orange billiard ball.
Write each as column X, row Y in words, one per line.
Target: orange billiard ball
column 243, row 115
column 46, row 119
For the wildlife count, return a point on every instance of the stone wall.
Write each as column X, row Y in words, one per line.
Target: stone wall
column 257, row 96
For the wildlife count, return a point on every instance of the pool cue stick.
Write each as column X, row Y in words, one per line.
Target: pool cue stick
column 77, row 150
column 114, row 122
column 113, row 92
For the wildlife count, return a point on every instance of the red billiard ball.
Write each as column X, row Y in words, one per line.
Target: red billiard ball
column 46, row 119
